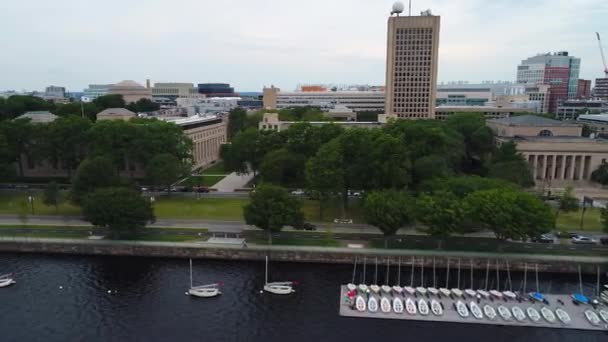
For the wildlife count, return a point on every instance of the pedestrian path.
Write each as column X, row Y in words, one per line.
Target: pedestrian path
column 233, row 182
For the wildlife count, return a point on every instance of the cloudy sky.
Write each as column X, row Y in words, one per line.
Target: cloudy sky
column 252, row 43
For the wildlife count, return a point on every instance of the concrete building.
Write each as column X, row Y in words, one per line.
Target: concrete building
column 444, row 112
column 216, row 90
column 411, row 66
column 557, row 154
column 571, row 109
column 583, row 89
column 559, row 70
column 463, row 96
column 191, row 106
column 208, row 134
column 357, row 101
column 601, row 88
column 271, row 121
column 54, row 92
column 39, row 117
column 94, row 91
column 131, row 91
column 174, row 90
column 116, row 114
column 597, row 123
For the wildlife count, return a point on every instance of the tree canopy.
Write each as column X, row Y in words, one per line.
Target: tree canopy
column 388, row 210
column 92, row 174
column 119, row 209
column 165, row 169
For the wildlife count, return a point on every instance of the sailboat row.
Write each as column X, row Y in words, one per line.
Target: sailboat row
column 213, row 290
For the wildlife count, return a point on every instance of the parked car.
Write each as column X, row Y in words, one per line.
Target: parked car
column 22, row 186
column 309, row 226
column 583, row 240
column 604, row 241
column 144, row 189
column 202, row 190
column 298, row 192
column 545, row 238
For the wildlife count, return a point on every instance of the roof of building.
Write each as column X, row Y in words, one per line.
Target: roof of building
column 39, row 116
column 116, row 111
column 127, row 84
column 559, row 139
column 594, row 117
column 531, row 120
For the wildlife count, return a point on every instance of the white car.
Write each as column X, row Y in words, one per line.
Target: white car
column 584, row 240
column 298, row 192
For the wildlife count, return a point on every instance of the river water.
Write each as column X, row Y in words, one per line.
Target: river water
column 65, row 298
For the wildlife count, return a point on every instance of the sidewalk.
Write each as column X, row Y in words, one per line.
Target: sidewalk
column 233, row 182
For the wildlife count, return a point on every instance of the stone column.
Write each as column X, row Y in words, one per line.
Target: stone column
column 553, row 166
column 572, row 167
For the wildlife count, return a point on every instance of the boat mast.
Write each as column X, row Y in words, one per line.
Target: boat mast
column 509, row 277
column 458, row 273
column 266, row 272
column 472, row 287
column 190, row 273
column 497, row 276
column 447, row 276
column 598, row 281
column 422, row 272
column 354, row 270
column 537, row 285
column 580, row 279
column 487, row 273
column 376, row 273
column 434, row 276
column 399, row 272
column 412, row 275
column 364, row 259
column 388, row 261
column 525, row 276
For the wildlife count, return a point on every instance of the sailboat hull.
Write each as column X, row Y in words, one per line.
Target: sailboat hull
column 7, row 282
column 279, row 289
column 204, row 293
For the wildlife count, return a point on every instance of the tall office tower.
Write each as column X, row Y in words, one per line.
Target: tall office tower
column 601, row 88
column 411, row 65
column 558, row 70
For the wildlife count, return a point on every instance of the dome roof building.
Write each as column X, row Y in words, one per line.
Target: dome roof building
column 131, row 91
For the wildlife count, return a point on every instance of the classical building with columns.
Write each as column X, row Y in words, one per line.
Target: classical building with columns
column 557, row 153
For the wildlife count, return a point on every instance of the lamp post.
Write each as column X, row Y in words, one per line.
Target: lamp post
column 30, row 198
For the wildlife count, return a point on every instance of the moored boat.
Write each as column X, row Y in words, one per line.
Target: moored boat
column 423, row 307
column 363, row 288
column 496, row 294
column 537, row 297
column 457, row 293
column 533, row 314
column 433, row 291
column 351, row 287
column 445, row 292
column 410, row 306
column 410, row 290
column 360, row 304
column 476, row 310
column 518, row 313
column 509, row 295
column 580, row 298
column 375, row 288
column 278, row 288
column 505, row 313
column 436, row 308
column 397, row 305
column 484, row 294
column 372, row 304
column 421, row 290
column 490, row 312
column 604, row 316
column 592, row 317
column 6, row 280
column 470, row 293
column 548, row 315
column 386, row 289
column 398, row 290
column 563, row 316
column 385, row 305
column 462, row 309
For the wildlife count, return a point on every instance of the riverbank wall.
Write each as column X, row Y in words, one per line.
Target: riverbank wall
column 441, row 259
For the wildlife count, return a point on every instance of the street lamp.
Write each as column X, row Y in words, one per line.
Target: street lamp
column 152, row 199
column 30, row 198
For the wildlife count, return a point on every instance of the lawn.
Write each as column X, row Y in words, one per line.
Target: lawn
column 17, row 203
column 78, row 234
column 161, row 237
column 572, row 221
column 204, row 180
column 332, row 210
column 216, row 169
column 203, row 208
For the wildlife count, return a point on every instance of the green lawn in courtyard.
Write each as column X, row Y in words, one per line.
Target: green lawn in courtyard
column 203, row 208
column 332, row 210
column 216, row 169
column 17, row 203
column 572, row 221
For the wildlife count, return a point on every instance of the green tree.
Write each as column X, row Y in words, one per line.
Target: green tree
column 51, row 195
column 143, row 106
column 567, row 202
column 601, row 174
column 92, row 174
column 510, row 214
column 19, row 135
column 325, row 173
column 109, row 101
column 283, row 168
column 516, row 172
column 119, row 209
column 390, row 164
column 67, row 141
column 271, row 208
column 441, row 213
column 604, row 219
column 77, row 108
column 7, row 170
column 236, row 121
column 17, row 105
column 463, row 186
column 388, row 211
column 430, row 167
column 164, row 170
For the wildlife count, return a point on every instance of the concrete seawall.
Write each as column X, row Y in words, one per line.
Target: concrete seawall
column 516, row 262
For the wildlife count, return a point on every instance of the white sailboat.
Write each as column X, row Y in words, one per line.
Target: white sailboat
column 436, row 308
column 386, row 289
column 509, row 295
column 563, row 316
column 351, row 286
column 360, row 304
column 490, row 312
column 476, row 310
column 445, row 291
column 518, row 313
column 423, row 307
column 496, row 294
column 462, row 309
column 372, row 304
column 548, row 315
column 385, row 305
column 457, row 292
column 203, row 291
column 604, row 316
column 505, row 313
column 362, row 287
column 592, row 317
column 6, row 280
column 410, row 306
column 483, row 293
column 533, row 314
column 375, row 288
column 397, row 305
column 278, row 288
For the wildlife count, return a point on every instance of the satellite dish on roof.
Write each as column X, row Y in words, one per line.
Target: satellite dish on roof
column 398, row 8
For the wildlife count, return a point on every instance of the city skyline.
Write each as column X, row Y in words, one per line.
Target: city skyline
column 254, row 44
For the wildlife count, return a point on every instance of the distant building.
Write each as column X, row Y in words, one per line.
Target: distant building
column 190, row 106
column 131, row 91
column 95, row 90
column 601, row 88
column 357, row 101
column 251, row 100
column 464, row 96
column 557, row 154
column 411, row 66
column 54, row 92
column 583, row 89
column 116, row 114
column 444, row 112
column 559, row 70
column 571, row 109
column 271, row 122
column 216, row 90
column 39, row 117
column 208, row 134
column 597, row 123
column 174, row 90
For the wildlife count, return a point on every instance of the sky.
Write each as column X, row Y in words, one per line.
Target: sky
column 257, row 43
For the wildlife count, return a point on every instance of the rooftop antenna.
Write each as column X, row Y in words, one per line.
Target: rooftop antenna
column 410, row 12
column 398, row 8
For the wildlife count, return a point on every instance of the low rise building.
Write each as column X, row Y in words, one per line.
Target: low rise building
column 557, row 154
column 39, row 117
column 444, row 112
column 597, row 123
column 271, row 122
column 116, row 114
column 571, row 109
column 190, row 106
column 174, row 90
column 357, row 101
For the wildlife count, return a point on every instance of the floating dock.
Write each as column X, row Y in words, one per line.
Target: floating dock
column 450, row 315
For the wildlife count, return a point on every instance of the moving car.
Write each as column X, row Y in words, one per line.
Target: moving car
column 545, row 238
column 583, row 240
column 298, row 192
column 309, row 226
column 202, row 190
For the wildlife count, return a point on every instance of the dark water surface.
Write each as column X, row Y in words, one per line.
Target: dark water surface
column 150, row 304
